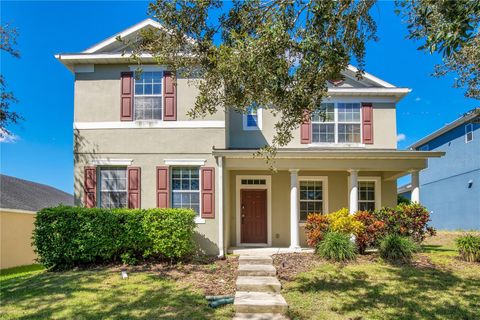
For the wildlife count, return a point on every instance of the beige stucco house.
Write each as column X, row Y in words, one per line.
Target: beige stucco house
column 136, row 147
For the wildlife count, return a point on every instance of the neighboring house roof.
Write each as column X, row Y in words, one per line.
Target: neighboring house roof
column 470, row 115
column 110, row 51
column 21, row 194
column 404, row 188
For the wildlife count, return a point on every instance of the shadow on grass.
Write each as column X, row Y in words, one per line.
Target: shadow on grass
column 98, row 295
column 396, row 292
column 436, row 248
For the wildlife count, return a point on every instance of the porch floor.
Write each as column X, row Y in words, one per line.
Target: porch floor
column 265, row 251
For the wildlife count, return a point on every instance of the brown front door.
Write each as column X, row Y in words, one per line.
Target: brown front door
column 253, row 210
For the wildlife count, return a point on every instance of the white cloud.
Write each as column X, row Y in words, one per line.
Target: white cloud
column 6, row 137
column 401, row 137
column 417, row 99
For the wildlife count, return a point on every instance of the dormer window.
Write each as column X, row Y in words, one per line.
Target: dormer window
column 252, row 120
column 337, row 123
column 148, row 96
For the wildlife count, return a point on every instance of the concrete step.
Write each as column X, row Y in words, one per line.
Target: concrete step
column 255, row 259
column 257, row 270
column 259, row 316
column 258, row 284
column 259, row 302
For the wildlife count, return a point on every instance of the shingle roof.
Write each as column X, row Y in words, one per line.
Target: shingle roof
column 27, row 195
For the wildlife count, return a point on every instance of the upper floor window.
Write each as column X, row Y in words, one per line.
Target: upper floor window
column 148, row 96
column 468, row 132
column 113, row 187
column 337, row 123
column 186, row 188
column 252, row 120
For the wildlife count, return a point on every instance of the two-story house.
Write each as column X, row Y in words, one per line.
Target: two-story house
column 450, row 185
column 135, row 147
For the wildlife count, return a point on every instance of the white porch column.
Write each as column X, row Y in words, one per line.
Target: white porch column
column 294, row 215
column 221, row 249
column 415, row 186
column 353, row 190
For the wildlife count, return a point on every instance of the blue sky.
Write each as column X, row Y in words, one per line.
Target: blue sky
column 42, row 150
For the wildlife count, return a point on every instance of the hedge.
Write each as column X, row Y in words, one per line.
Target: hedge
column 65, row 237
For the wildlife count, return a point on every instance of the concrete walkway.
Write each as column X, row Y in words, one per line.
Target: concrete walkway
column 258, row 289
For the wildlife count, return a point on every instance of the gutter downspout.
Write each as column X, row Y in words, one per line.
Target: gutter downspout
column 221, row 251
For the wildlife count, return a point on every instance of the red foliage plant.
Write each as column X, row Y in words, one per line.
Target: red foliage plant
column 373, row 230
column 316, row 227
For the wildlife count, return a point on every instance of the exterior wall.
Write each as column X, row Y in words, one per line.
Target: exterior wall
column 384, row 129
column 337, row 199
column 444, row 185
column 16, row 227
column 97, row 95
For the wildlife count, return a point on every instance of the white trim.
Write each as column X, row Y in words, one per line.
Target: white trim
column 221, row 249
column 268, row 187
column 124, row 33
column 259, row 121
column 369, row 91
column 199, row 220
column 6, row 210
column 185, row 162
column 378, row 188
column 468, row 125
column 111, row 162
column 324, row 180
column 371, row 77
column 147, row 124
column 84, row 68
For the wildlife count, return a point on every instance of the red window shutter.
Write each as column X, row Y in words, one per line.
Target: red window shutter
column 126, row 96
column 90, row 187
column 306, row 130
column 162, row 187
column 169, row 97
column 134, row 187
column 367, row 123
column 208, row 192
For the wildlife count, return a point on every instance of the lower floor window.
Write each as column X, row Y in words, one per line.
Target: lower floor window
column 113, row 187
column 366, row 195
column 311, row 198
column 186, row 188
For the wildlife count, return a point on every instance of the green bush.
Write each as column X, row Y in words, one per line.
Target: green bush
column 396, row 248
column 468, row 247
column 336, row 246
column 65, row 237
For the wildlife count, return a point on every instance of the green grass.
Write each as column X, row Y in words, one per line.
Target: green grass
column 439, row 286
column 33, row 293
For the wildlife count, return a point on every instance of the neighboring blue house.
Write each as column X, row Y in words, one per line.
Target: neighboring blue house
column 450, row 186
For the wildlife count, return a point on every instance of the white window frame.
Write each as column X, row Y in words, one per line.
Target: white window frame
column 198, row 217
column 336, row 123
column 467, row 131
column 149, row 95
column 246, row 127
column 378, row 189
column 324, row 180
column 99, row 183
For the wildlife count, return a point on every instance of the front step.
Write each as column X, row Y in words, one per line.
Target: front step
column 260, row 302
column 255, row 260
column 257, row 283
column 265, row 270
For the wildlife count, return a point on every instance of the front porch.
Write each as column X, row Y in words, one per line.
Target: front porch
column 266, row 209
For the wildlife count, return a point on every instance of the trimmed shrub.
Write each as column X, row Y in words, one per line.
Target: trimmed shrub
column 316, row 227
column 406, row 220
column 468, row 247
column 342, row 221
column 373, row 230
column 336, row 246
column 65, row 237
column 396, row 248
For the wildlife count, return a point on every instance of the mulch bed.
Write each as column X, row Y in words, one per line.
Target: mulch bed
column 210, row 275
column 289, row 265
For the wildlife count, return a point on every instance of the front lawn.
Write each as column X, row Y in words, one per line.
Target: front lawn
column 435, row 286
column 150, row 292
